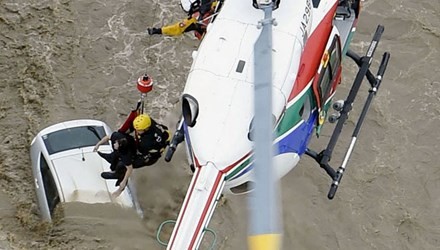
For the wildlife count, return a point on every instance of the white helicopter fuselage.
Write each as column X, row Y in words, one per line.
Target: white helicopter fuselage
column 221, row 83
column 221, row 80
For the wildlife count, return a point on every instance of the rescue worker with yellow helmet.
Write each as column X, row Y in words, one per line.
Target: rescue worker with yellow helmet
column 197, row 10
column 152, row 139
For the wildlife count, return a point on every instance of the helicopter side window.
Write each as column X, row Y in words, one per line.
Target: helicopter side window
column 325, row 83
column 335, row 58
column 330, row 71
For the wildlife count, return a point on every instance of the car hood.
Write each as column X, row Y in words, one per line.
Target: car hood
column 79, row 175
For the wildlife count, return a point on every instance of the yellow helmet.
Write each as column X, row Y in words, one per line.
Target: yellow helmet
column 142, row 122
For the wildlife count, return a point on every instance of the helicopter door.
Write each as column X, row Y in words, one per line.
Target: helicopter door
column 330, row 73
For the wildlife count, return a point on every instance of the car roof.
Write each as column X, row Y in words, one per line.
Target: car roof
column 71, row 124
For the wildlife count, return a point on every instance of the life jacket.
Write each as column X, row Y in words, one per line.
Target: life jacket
column 205, row 9
column 181, row 27
column 154, row 141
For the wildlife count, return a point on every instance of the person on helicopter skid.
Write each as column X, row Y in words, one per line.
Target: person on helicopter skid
column 198, row 12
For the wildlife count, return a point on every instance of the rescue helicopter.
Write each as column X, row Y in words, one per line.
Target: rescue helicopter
column 310, row 40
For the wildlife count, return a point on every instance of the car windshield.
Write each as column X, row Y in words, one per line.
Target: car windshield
column 71, row 138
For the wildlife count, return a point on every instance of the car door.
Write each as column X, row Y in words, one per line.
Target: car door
column 50, row 188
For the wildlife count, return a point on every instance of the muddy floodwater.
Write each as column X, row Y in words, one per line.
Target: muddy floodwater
column 65, row 59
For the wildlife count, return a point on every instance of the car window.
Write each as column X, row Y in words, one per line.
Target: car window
column 50, row 187
column 71, row 138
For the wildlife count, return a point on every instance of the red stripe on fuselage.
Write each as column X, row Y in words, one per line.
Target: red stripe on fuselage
column 211, row 196
column 312, row 54
column 205, row 210
column 227, row 169
column 186, row 204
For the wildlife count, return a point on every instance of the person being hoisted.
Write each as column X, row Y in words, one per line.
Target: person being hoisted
column 145, row 149
column 152, row 139
column 121, row 159
column 199, row 13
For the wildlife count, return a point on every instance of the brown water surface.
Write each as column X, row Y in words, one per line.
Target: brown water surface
column 63, row 60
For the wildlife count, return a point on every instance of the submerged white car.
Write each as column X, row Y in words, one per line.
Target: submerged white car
column 66, row 169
